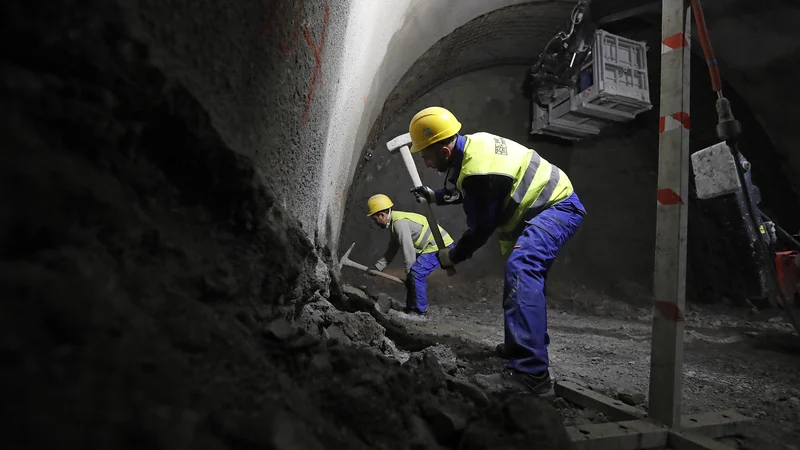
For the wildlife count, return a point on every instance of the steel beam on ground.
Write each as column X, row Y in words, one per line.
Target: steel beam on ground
column 627, row 435
column 681, row 440
column 636, row 431
column 614, row 409
column 715, row 424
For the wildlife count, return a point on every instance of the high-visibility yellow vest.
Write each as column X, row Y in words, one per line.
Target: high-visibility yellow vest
column 537, row 183
column 423, row 242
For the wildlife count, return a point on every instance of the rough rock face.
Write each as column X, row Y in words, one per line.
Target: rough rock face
column 156, row 295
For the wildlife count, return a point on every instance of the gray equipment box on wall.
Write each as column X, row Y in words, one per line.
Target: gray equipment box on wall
column 612, row 87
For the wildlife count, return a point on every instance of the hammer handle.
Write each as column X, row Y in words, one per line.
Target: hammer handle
column 410, row 166
column 437, row 235
column 412, row 171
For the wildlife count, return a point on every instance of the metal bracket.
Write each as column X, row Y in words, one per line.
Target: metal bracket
column 635, row 431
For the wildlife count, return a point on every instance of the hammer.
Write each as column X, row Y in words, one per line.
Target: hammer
column 401, row 143
column 345, row 261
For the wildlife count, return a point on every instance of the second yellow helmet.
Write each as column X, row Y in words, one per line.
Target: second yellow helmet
column 378, row 203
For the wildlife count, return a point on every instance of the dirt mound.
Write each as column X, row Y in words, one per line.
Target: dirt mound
column 413, row 405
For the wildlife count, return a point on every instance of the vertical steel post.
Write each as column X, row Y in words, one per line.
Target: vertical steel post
column 669, row 281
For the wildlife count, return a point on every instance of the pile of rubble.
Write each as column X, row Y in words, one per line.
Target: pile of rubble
column 157, row 295
column 384, row 397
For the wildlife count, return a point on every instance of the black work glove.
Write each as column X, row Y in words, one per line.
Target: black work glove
column 425, row 192
column 443, row 256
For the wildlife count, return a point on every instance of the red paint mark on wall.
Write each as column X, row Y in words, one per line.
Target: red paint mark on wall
column 277, row 22
column 316, row 48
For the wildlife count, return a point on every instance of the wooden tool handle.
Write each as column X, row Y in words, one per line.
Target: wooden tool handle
column 410, row 166
column 387, row 276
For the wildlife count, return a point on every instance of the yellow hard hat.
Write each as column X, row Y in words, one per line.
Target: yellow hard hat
column 431, row 125
column 378, row 203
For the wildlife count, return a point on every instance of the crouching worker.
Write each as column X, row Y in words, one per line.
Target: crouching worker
column 411, row 233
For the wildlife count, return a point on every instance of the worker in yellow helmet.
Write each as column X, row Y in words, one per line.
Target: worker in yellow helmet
column 504, row 187
column 411, row 233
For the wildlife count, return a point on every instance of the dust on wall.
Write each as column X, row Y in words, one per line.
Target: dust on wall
column 267, row 72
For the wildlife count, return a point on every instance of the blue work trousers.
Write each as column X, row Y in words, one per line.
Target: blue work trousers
column 524, row 295
column 416, row 284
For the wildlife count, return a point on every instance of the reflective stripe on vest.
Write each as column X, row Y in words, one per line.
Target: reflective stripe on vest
column 538, row 186
column 424, row 243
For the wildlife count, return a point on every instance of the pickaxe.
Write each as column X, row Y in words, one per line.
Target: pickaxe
column 345, row 261
column 401, row 143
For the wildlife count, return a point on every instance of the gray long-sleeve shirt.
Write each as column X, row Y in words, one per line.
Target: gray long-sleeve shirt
column 405, row 232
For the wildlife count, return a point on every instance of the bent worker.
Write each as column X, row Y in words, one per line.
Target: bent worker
column 508, row 188
column 411, row 233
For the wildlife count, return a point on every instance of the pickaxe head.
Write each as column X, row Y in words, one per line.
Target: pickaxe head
column 404, row 140
column 344, row 257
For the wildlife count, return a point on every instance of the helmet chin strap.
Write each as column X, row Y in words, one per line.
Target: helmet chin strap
column 388, row 220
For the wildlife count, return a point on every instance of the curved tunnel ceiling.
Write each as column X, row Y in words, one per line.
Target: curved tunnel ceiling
column 509, row 35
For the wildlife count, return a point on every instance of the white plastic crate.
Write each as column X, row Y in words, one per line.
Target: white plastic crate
column 556, row 120
column 619, row 91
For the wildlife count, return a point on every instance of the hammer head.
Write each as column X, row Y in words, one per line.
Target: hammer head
column 344, row 258
column 399, row 142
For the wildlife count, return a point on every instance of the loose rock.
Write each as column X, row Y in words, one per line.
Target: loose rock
column 281, row 329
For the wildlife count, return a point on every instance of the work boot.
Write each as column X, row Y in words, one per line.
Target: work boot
column 513, row 381
column 500, row 350
column 412, row 314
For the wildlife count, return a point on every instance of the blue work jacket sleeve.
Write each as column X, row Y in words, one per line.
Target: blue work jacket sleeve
column 483, row 201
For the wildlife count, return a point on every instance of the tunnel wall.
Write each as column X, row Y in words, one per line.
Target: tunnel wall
column 324, row 68
column 267, row 73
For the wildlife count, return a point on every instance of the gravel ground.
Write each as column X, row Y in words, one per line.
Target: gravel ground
column 734, row 359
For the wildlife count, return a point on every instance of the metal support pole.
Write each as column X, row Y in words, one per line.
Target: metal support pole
column 669, row 282
column 662, row 425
